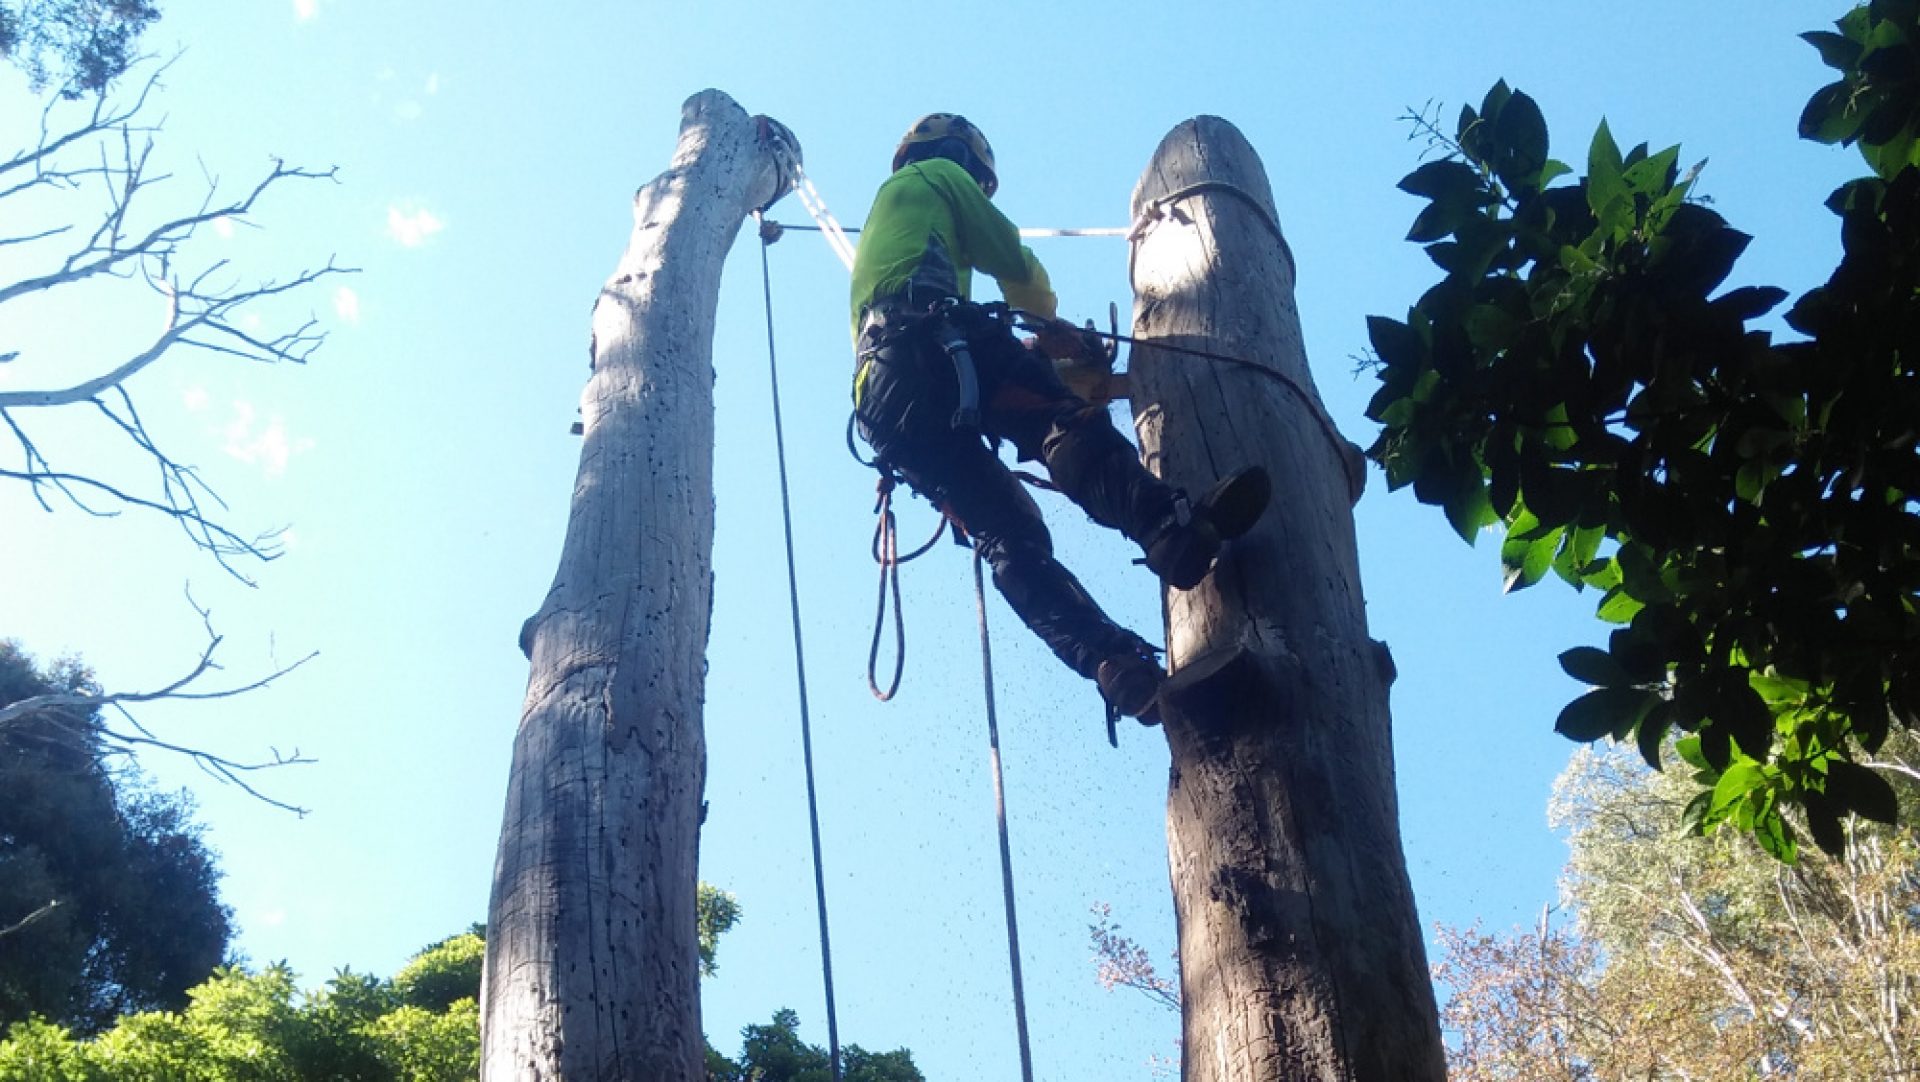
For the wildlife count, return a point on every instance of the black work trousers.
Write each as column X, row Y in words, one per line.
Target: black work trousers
column 908, row 393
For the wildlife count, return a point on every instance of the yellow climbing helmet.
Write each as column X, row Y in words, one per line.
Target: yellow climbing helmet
column 970, row 149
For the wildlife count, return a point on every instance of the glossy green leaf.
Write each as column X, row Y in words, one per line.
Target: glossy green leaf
column 1651, row 733
column 1619, row 606
column 1606, row 185
column 1735, row 783
column 1442, row 180
column 1775, row 836
column 1436, row 221
column 1862, row 791
column 1829, row 116
column 1394, row 342
column 1688, row 749
column 1823, row 822
column 1468, row 509
column 1591, row 665
column 1602, row 712
column 1693, row 820
column 1651, row 176
column 1748, row 718
column 1836, row 51
column 1602, row 574
column 1777, row 690
column 1520, row 133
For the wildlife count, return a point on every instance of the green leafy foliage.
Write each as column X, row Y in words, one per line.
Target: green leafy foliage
column 775, row 1053
column 117, row 889
column 444, row 972
column 1745, row 507
column 717, row 912
column 241, row 1025
column 421, row 1026
column 80, row 46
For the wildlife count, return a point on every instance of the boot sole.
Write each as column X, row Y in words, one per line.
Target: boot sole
column 1234, row 506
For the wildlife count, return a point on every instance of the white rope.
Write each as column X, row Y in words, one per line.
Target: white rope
column 1028, row 233
column 836, row 235
column 809, row 196
column 1076, row 232
column 816, row 207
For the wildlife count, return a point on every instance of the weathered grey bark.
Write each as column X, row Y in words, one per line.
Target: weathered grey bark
column 1300, row 951
column 592, row 968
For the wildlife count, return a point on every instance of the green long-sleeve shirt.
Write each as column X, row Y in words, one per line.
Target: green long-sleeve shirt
column 932, row 225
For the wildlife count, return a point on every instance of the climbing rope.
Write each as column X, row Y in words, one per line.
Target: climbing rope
column 787, row 158
column 886, row 553
column 1156, row 211
column 1000, row 815
column 1115, row 232
column 800, row 673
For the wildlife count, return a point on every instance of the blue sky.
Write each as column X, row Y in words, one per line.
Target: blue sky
column 487, row 157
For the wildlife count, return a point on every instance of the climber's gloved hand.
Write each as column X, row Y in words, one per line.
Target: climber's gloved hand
column 1062, row 341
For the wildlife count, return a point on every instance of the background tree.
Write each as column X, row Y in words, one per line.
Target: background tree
column 423, row 1025
column 1745, row 506
column 79, row 46
column 109, row 896
column 775, row 1053
column 258, row 1025
column 1705, row 960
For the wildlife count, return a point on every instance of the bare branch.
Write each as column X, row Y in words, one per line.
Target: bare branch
column 178, row 689
column 108, row 250
column 81, row 392
column 29, row 238
column 1895, row 768
column 207, row 534
column 105, row 117
column 225, row 770
column 109, row 154
column 50, row 707
column 23, row 922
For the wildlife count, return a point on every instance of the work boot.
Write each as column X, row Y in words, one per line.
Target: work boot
column 1182, row 549
column 1130, row 683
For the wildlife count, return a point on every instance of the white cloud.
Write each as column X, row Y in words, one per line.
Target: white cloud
column 269, row 447
column 407, row 110
column 433, row 83
column 412, row 225
column 305, row 10
column 223, row 225
column 272, row 918
column 346, row 304
column 195, row 399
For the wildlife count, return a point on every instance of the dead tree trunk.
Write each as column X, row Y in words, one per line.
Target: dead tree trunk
column 592, row 968
column 1300, row 952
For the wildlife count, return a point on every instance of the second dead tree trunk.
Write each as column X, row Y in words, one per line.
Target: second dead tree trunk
column 1301, row 956
column 592, row 966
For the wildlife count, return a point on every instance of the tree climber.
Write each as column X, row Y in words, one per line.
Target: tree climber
column 938, row 377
